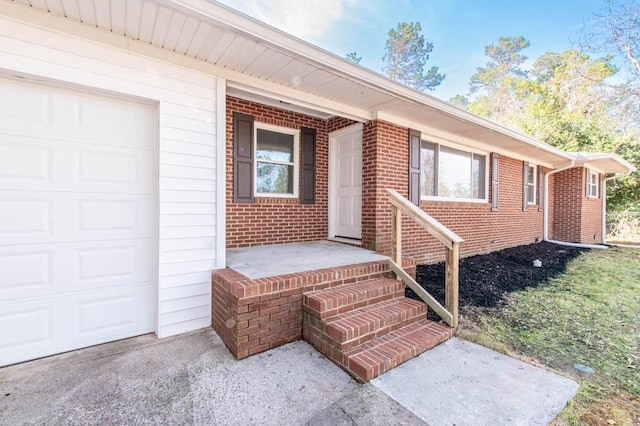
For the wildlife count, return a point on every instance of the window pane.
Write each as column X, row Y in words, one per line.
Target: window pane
column 428, row 169
column 531, row 193
column 454, row 176
column 274, row 178
column 531, row 175
column 274, row 146
column 478, row 173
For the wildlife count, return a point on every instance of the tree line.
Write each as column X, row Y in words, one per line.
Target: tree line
column 586, row 98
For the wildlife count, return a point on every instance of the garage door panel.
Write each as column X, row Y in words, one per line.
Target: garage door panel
column 26, row 272
column 24, row 328
column 31, row 329
column 44, row 270
column 69, row 115
column 47, row 217
column 22, row 162
column 32, row 164
column 31, row 106
column 113, row 265
column 24, row 216
column 96, row 117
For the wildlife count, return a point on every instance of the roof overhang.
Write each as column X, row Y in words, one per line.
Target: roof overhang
column 604, row 162
column 266, row 65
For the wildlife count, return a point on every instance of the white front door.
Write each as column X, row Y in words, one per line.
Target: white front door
column 346, row 181
column 77, row 220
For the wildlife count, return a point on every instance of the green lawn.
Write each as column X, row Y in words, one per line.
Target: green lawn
column 590, row 315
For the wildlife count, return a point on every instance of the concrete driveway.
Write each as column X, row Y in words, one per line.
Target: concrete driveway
column 194, row 380
column 188, row 380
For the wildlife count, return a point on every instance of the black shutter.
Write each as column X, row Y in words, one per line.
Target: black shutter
column 525, row 185
column 414, row 166
column 541, row 188
column 495, row 179
column 308, row 176
column 242, row 158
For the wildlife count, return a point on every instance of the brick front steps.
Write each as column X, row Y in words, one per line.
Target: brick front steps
column 356, row 315
column 254, row 315
column 369, row 327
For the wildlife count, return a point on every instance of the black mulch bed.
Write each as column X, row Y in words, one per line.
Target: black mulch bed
column 485, row 280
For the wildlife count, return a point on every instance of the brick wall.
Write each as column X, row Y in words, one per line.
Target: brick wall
column 279, row 220
column 577, row 218
column 482, row 229
column 385, row 165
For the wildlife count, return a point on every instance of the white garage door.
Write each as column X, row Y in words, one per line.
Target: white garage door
column 77, row 220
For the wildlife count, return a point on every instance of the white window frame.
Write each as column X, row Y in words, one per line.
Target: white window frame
column 296, row 158
column 459, row 148
column 593, row 185
column 533, row 184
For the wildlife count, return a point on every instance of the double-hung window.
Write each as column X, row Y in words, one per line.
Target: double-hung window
column 592, row 184
column 276, row 165
column 449, row 173
column 531, row 184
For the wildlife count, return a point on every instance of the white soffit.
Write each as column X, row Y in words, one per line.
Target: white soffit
column 250, row 53
column 604, row 162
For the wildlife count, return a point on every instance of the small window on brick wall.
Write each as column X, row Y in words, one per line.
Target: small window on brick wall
column 531, row 184
column 276, row 161
column 592, row 184
column 272, row 161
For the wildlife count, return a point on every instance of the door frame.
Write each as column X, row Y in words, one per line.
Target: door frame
column 333, row 173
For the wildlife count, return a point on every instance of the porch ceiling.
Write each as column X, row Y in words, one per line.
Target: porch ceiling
column 258, row 60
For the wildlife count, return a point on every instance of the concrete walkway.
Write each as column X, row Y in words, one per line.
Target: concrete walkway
column 193, row 379
column 463, row 383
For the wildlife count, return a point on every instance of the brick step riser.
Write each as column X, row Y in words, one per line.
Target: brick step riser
column 351, row 339
column 340, row 304
column 365, row 366
column 320, row 329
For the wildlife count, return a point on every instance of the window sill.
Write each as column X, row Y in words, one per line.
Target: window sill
column 259, row 199
column 290, row 196
column 453, row 200
column 455, row 203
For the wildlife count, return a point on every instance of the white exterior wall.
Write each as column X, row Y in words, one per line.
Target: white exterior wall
column 190, row 146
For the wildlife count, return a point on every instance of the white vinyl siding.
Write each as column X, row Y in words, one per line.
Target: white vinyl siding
column 188, row 115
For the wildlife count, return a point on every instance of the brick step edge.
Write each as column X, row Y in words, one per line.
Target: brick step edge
column 360, row 326
column 328, row 303
column 376, row 357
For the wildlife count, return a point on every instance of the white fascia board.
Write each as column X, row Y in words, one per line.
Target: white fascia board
column 439, row 136
column 334, row 64
column 51, row 22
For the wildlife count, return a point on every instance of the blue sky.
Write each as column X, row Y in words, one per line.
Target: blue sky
column 458, row 29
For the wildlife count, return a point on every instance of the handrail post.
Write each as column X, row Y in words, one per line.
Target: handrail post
column 451, row 283
column 396, row 237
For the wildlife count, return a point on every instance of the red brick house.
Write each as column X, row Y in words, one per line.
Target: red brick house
column 146, row 138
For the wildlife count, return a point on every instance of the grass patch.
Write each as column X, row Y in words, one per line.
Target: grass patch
column 589, row 314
